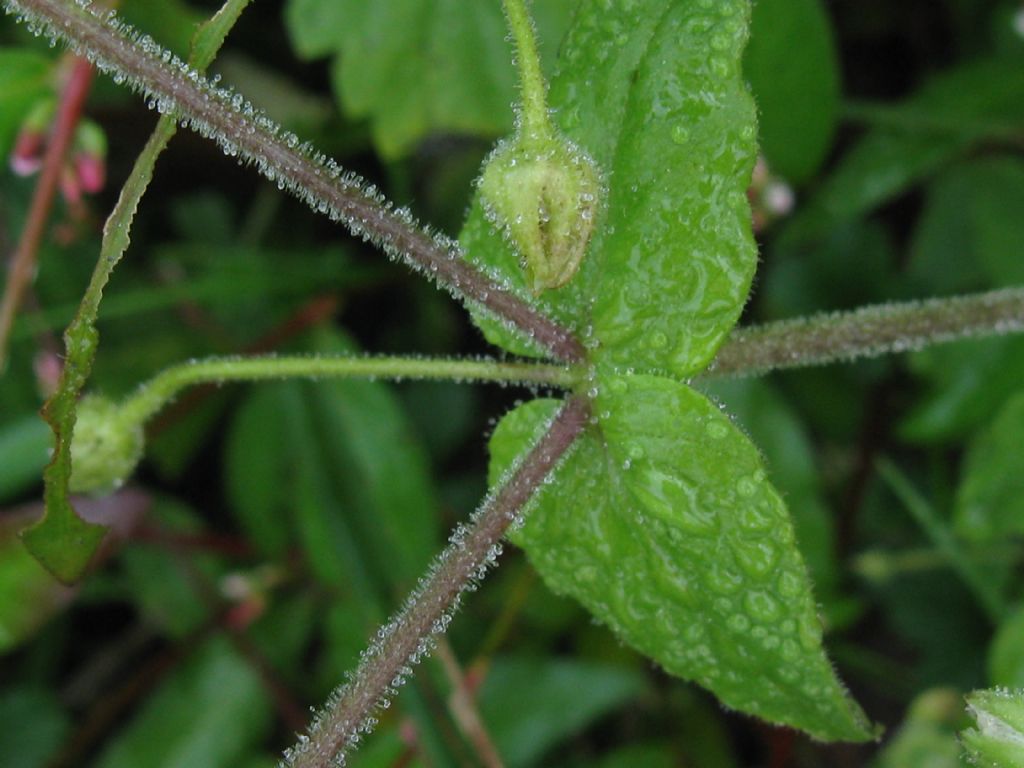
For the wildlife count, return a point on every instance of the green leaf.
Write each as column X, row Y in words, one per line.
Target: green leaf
column 789, row 455
column 998, row 740
column 162, row 587
column 62, row 541
column 256, row 472
column 32, row 727
column 796, row 86
column 285, row 100
column 944, row 119
column 208, row 714
column 416, row 67
column 965, row 385
column 26, row 78
column 1006, row 654
column 209, row 36
column 663, row 525
column 530, row 705
column 174, row 20
column 990, row 499
column 986, row 590
column 24, row 450
column 655, row 96
column 969, row 234
column 854, row 264
column 381, row 469
column 29, row 595
column 640, row 756
column 928, row 734
column 338, row 463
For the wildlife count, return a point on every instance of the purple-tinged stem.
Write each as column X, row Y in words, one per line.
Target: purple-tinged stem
column 407, row 637
column 218, row 114
column 868, row 332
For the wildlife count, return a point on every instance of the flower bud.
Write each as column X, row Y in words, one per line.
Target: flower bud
column 27, row 157
column 543, row 193
column 91, row 172
column 771, row 198
column 89, row 157
column 106, row 447
column 998, row 741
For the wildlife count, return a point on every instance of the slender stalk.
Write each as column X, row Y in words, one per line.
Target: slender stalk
column 173, row 86
column 986, row 592
column 22, row 268
column 408, row 636
column 463, row 707
column 532, row 86
column 62, row 541
column 882, row 565
column 908, row 119
column 155, row 394
column 868, row 332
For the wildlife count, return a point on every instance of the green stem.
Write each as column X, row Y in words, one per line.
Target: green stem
column 62, row 541
column 881, row 565
column 936, row 530
column 156, row 393
column 532, row 86
column 913, row 120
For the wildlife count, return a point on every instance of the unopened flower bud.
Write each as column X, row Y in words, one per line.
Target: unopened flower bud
column 544, row 193
column 91, row 172
column 106, row 446
column 89, row 157
column 27, row 157
column 771, row 197
column 998, row 741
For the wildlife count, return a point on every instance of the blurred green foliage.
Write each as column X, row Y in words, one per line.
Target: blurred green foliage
column 287, row 520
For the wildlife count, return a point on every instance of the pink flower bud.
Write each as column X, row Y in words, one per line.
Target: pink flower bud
column 770, row 196
column 27, row 157
column 91, row 171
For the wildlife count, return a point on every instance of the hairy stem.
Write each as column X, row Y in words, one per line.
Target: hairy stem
column 152, row 396
column 868, row 332
column 241, row 130
column 407, row 637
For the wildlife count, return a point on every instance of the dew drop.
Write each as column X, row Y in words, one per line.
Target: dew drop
column 789, row 584
column 738, row 623
column 657, row 340
column 716, row 429
column 756, row 558
column 761, row 606
column 746, row 487
column 723, row 580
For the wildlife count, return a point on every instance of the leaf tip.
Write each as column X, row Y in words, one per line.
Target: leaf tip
column 64, row 546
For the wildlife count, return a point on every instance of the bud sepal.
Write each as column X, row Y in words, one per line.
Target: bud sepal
column 106, row 446
column 543, row 192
